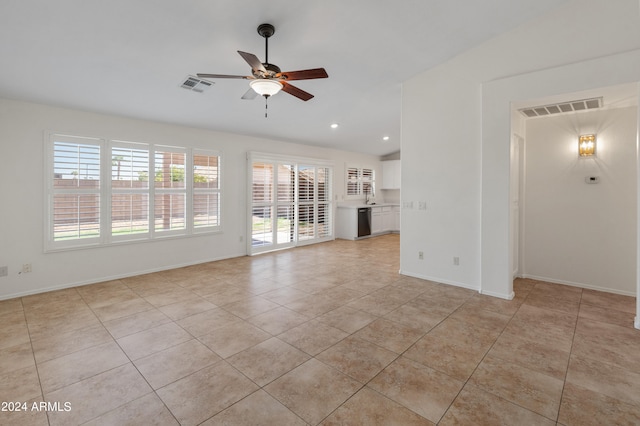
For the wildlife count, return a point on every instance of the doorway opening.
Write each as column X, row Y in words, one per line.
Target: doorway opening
column 573, row 220
column 290, row 202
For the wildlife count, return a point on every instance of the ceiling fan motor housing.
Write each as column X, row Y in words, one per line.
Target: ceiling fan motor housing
column 272, row 70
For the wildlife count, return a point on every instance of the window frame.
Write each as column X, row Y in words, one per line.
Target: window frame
column 51, row 192
column 171, row 191
column 198, row 191
column 106, row 192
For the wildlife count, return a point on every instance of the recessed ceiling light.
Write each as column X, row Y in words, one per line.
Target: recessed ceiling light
column 334, row 126
column 385, row 138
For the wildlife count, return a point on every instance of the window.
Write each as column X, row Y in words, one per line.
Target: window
column 75, row 187
column 129, row 190
column 360, row 182
column 170, row 191
column 102, row 192
column 206, row 190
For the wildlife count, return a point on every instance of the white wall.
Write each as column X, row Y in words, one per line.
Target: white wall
column 578, row 233
column 455, row 144
column 22, row 129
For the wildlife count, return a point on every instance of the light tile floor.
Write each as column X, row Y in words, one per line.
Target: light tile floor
column 325, row 334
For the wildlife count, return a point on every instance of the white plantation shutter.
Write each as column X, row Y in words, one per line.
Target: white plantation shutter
column 360, row 181
column 272, row 205
column 323, row 213
column 262, row 184
column 290, row 203
column 170, row 194
column 306, row 198
column 206, row 190
column 101, row 192
column 285, row 204
column 314, row 208
column 353, row 181
column 129, row 190
column 74, row 191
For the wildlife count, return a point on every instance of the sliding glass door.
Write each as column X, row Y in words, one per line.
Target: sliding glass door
column 290, row 203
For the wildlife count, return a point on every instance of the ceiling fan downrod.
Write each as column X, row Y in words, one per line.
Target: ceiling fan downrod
column 266, row 31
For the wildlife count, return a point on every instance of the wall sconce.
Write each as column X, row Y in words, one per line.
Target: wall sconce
column 587, row 146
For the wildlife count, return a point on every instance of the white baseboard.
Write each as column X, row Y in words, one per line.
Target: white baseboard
column 581, row 285
column 507, row 296
column 439, row 280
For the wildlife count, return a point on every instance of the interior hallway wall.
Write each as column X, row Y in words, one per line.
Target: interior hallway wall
column 577, row 233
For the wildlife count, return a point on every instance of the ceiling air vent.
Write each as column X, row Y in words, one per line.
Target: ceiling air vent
column 571, row 106
column 196, row 84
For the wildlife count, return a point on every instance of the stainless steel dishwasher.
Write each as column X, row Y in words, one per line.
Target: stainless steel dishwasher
column 364, row 221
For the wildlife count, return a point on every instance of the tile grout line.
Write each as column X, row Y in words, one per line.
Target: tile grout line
column 480, row 362
column 33, row 354
column 566, row 373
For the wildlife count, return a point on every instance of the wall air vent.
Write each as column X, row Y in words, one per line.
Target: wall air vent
column 196, row 84
column 571, row 106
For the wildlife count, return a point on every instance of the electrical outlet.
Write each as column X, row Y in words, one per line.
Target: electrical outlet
column 456, row 261
column 4, row 271
column 26, row 268
column 420, row 255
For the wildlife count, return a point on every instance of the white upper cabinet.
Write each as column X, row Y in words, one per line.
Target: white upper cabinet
column 391, row 174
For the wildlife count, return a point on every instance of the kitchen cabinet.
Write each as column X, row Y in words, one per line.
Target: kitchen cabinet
column 387, row 219
column 377, row 221
column 396, row 218
column 384, row 219
column 391, row 174
column 346, row 223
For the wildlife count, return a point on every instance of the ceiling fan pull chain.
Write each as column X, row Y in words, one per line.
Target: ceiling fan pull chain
column 266, row 106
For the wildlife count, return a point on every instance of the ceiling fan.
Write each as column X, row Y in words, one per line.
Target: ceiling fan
column 266, row 79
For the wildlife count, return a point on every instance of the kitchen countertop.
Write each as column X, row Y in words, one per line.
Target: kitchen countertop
column 357, row 206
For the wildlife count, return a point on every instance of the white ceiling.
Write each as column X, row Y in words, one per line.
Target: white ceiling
column 129, row 57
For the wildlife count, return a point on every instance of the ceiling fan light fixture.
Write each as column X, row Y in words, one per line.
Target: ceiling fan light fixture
column 265, row 87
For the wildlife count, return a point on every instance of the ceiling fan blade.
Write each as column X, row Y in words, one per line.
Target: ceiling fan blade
column 249, row 94
column 253, row 61
column 303, row 74
column 223, row 76
column 293, row 90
